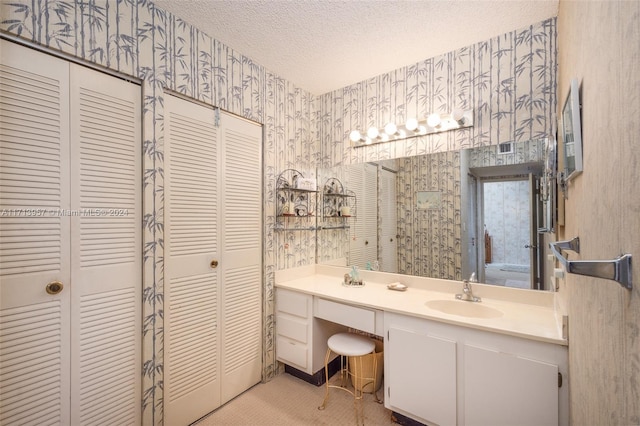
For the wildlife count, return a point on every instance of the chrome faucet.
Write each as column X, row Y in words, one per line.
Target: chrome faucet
column 467, row 293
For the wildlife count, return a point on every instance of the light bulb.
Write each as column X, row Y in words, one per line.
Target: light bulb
column 421, row 130
column 373, row 132
column 433, row 120
column 390, row 129
column 355, row 136
column 457, row 114
column 384, row 137
column 412, row 124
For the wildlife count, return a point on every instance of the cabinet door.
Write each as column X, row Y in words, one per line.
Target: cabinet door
column 504, row 389
column 421, row 376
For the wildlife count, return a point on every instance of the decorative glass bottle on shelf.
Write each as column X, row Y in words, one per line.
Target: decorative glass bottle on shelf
column 295, row 201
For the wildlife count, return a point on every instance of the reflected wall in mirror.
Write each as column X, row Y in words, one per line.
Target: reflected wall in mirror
column 446, row 241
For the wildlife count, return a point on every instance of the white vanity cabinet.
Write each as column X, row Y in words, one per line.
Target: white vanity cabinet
column 446, row 374
column 294, row 318
column 507, row 389
column 301, row 339
column 420, row 375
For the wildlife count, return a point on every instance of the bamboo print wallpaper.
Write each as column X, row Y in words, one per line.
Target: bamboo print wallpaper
column 508, row 81
column 137, row 39
column 429, row 242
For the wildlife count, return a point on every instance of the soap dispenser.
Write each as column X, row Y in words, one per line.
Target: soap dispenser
column 355, row 276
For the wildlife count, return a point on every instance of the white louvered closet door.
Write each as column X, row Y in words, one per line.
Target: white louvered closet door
column 106, row 249
column 363, row 245
column 34, row 240
column 70, row 211
column 192, row 377
column 213, row 208
column 388, row 222
column 241, row 260
column 357, row 229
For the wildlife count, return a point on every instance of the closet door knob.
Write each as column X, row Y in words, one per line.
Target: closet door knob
column 54, row 287
column 214, row 264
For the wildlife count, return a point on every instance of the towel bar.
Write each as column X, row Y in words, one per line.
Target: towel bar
column 618, row 269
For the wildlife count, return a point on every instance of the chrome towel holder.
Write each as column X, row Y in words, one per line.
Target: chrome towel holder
column 618, row 269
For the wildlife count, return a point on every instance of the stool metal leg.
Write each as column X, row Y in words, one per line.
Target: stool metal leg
column 375, row 378
column 358, row 390
column 357, row 364
column 326, row 372
column 344, row 370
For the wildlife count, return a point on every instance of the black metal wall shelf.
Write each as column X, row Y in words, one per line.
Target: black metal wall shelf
column 295, row 206
column 337, row 203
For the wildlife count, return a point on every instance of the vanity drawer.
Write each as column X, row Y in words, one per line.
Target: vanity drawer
column 292, row 328
column 293, row 303
column 351, row 316
column 292, row 353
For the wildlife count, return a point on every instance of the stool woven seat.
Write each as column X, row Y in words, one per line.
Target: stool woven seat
column 353, row 347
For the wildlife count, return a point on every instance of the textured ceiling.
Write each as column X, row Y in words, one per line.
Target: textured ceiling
column 323, row 45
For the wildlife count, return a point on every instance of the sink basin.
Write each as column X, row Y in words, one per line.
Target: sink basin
column 464, row 309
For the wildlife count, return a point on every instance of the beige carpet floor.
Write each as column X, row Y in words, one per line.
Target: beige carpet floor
column 287, row 400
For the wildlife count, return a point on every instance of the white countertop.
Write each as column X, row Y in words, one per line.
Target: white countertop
column 526, row 313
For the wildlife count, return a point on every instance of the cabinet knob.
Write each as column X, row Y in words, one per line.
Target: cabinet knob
column 214, row 264
column 54, row 287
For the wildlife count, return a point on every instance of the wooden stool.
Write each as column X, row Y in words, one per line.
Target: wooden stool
column 354, row 347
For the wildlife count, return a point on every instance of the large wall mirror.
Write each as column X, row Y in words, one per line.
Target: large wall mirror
column 446, row 215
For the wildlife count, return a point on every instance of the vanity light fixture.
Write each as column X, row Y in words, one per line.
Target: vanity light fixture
column 434, row 120
column 373, row 133
column 356, row 137
column 434, row 123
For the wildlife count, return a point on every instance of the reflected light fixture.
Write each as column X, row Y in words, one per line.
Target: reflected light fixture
column 434, row 120
column 355, row 136
column 390, row 129
column 434, row 123
column 412, row 124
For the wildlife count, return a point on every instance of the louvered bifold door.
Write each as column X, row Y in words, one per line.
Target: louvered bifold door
column 388, row 222
column 241, row 260
column 34, row 238
column 363, row 246
column 192, row 379
column 106, row 265
column 371, row 213
column 357, row 229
